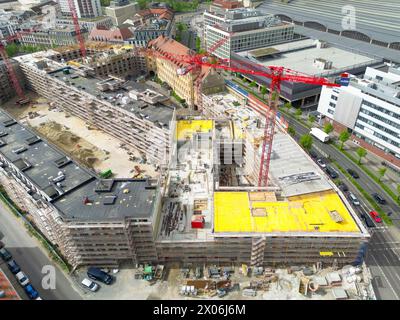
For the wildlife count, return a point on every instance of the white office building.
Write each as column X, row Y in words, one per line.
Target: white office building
column 370, row 107
column 84, row 8
column 245, row 28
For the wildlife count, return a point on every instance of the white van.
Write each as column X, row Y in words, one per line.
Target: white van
column 354, row 199
column 91, row 285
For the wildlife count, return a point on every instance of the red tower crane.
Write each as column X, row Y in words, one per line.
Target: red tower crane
column 79, row 36
column 13, row 76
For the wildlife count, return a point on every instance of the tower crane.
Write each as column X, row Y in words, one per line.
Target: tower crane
column 277, row 75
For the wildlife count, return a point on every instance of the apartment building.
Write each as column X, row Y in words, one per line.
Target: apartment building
column 188, row 86
column 87, row 91
column 62, row 36
column 121, row 10
column 107, row 222
column 92, row 221
column 369, row 107
column 84, row 8
column 220, row 218
column 149, row 24
column 245, row 29
column 88, row 24
column 112, row 35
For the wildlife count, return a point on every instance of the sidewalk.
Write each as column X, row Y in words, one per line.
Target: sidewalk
column 374, row 163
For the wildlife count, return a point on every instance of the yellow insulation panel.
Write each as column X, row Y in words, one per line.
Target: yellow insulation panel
column 309, row 213
column 186, row 128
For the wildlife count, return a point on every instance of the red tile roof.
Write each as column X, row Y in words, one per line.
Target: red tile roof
column 157, row 12
column 115, row 34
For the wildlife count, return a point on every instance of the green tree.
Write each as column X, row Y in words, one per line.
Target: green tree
column 142, row 3
column 263, row 91
column 343, row 137
column 328, row 127
column 306, row 142
column 274, row 95
column 361, row 152
column 291, row 131
column 382, row 172
column 298, row 113
column 311, row 118
column 398, row 191
column 12, row 49
column 288, row 105
column 198, row 44
column 252, row 84
column 105, row 3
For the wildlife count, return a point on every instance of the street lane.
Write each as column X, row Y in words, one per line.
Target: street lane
column 31, row 258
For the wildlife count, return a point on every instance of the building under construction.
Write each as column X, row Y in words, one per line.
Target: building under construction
column 204, row 208
column 94, row 89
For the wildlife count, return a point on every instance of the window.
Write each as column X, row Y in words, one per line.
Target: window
column 334, row 97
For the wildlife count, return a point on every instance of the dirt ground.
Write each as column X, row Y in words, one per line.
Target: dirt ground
column 91, row 147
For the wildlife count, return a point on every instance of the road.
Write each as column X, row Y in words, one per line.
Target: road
column 365, row 181
column 383, row 253
column 31, row 258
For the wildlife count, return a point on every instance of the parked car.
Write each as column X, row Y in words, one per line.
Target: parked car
column 5, row 254
column 353, row 173
column 31, row 292
column 354, row 199
column 379, row 198
column 375, row 216
column 22, row 278
column 313, row 155
column 342, row 186
column 331, row 172
column 97, row 274
column 13, row 266
column 321, row 163
column 91, row 285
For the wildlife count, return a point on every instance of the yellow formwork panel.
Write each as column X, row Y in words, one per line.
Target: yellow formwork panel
column 186, row 128
column 310, row 213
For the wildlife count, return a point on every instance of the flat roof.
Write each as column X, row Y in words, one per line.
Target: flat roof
column 67, row 184
column 186, row 128
column 350, row 44
column 124, row 198
column 292, row 169
column 156, row 113
column 39, row 161
column 258, row 53
column 235, row 212
column 300, row 56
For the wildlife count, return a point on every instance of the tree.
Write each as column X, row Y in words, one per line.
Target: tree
column 105, row 3
column 252, row 84
column 311, row 118
column 292, row 132
column 398, row 191
column 263, row 91
column 328, row 127
column 382, row 172
column 298, row 112
column 142, row 3
column 288, row 105
column 198, row 44
column 343, row 137
column 306, row 142
column 361, row 152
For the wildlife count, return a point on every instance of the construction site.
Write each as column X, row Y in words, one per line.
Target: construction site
column 113, row 172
